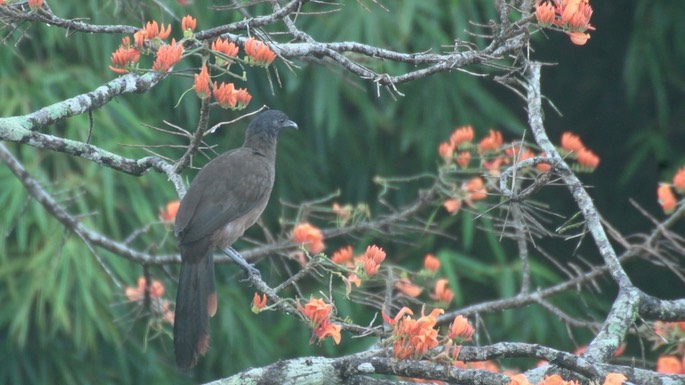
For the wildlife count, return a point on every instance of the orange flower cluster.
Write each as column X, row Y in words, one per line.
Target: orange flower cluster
column 679, row 181
column 167, row 56
column 125, row 57
column 201, row 83
column 258, row 303
column 168, row 213
column 226, row 48
column 492, row 142
column 372, row 259
column 309, row 236
column 230, row 97
column 666, row 198
column 361, row 267
column 572, row 144
column 493, row 154
column 461, row 329
column 461, row 138
column 665, row 195
column 670, row 365
column 431, row 263
column 614, row 379
column 159, row 306
column 319, row 314
column 151, row 31
column 441, row 293
column 258, row 53
column 472, row 190
column 571, row 16
column 35, row 4
column 413, row 338
column 406, row 287
column 343, row 256
column 188, row 24
column 520, row 379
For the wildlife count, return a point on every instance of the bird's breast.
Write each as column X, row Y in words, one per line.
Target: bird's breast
column 228, row 234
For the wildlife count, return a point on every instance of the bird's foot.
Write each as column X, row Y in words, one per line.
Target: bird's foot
column 250, row 270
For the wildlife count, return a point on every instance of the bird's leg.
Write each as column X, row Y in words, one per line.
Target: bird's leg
column 250, row 270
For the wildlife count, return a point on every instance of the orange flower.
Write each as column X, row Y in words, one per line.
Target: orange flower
column 519, row 379
column 587, row 159
column 543, row 167
column 353, row 278
column 188, row 23
column 408, row 288
column 461, row 135
column 544, row 12
column 156, row 289
column 167, row 56
column 344, row 212
column 372, row 259
column 666, row 198
column 446, row 151
column 309, row 236
column 242, row 98
column 168, row 214
column 475, row 188
column 463, row 159
column 328, row 329
column 571, row 142
column 669, row 364
column 431, row 263
column 578, row 38
column 316, row 310
column 152, row 31
column 138, row 293
column 343, row 255
column 258, row 303
column 35, row 4
column 576, row 15
column 555, row 379
column 518, row 154
column 452, row 205
column 393, row 321
column 201, row 84
column 224, row 94
column 259, row 53
column 460, row 328
column 491, row 142
column 319, row 314
column 225, row 47
column 123, row 58
column 139, row 38
column 679, row 181
column 614, row 379
column 413, row 338
column 442, row 293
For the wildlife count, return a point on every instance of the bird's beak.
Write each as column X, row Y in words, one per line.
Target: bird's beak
column 290, row 124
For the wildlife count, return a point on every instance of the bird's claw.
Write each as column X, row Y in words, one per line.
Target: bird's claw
column 251, row 272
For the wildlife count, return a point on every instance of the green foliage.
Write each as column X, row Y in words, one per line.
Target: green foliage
column 66, row 320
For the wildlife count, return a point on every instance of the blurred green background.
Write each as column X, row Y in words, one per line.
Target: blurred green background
column 64, row 320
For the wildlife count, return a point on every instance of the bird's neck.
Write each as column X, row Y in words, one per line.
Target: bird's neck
column 262, row 143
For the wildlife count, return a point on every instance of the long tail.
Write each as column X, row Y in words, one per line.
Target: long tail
column 195, row 302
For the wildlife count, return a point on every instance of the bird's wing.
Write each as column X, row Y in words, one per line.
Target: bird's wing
column 227, row 188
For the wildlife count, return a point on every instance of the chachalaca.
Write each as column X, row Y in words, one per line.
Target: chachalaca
column 226, row 197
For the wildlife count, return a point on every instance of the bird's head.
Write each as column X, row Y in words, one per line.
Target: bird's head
column 269, row 123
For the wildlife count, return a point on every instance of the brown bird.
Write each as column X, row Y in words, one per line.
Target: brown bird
column 226, row 197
